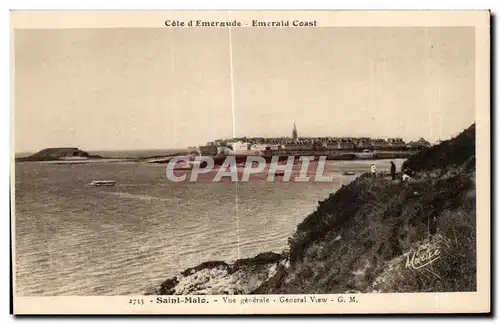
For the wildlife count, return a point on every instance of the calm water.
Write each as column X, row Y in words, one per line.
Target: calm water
column 123, row 240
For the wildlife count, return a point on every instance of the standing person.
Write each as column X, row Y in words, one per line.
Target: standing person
column 393, row 171
column 373, row 170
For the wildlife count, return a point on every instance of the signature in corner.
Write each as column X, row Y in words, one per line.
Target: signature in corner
column 422, row 257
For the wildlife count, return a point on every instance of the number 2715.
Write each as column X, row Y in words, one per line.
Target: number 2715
column 136, row 301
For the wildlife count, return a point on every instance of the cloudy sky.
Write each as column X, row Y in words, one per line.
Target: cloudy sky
column 149, row 88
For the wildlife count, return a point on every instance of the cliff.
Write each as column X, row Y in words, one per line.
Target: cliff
column 378, row 235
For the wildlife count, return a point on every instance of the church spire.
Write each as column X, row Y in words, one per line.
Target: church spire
column 294, row 132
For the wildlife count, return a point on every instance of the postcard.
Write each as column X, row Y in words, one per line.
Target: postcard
column 250, row 162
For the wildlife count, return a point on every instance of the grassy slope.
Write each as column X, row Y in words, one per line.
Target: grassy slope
column 358, row 237
column 447, row 155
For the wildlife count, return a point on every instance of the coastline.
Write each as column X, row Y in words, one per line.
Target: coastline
column 242, row 276
column 365, row 237
column 88, row 161
column 351, row 156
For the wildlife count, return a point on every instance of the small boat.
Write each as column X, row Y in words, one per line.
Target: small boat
column 99, row 183
column 279, row 173
column 349, row 173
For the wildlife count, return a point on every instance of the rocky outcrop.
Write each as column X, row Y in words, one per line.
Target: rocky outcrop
column 373, row 235
column 57, row 153
column 221, row 278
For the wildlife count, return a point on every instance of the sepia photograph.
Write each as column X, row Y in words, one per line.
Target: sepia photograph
column 250, row 162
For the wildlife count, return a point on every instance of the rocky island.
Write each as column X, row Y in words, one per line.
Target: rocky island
column 58, row 153
column 373, row 235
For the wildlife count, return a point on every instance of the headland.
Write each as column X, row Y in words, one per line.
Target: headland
column 374, row 235
column 59, row 154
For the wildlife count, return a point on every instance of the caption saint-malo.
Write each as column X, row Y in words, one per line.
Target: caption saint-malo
column 254, row 300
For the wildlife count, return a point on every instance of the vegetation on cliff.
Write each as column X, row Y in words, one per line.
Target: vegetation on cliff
column 449, row 154
column 365, row 237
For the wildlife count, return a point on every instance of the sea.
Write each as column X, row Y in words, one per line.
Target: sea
column 76, row 240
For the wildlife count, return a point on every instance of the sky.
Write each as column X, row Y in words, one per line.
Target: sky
column 156, row 88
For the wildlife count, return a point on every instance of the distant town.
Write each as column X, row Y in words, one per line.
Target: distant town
column 304, row 145
column 334, row 148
